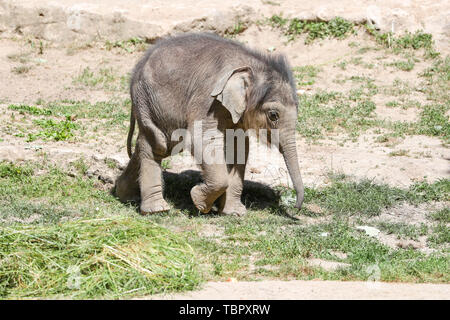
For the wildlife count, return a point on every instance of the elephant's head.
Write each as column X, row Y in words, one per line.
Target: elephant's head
column 264, row 96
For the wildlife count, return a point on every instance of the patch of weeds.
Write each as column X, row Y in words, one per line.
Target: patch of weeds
column 116, row 111
column 398, row 88
column 306, row 75
column 392, row 104
column 441, row 215
column 105, row 78
column 280, row 246
column 363, row 197
column 437, row 80
column 131, row 45
column 345, row 196
column 404, row 103
column 399, row 153
column 403, row 230
column 415, row 41
column 383, row 138
column 21, row 69
column 52, row 188
column 440, row 235
column 111, row 163
column 336, row 28
column 407, row 65
column 277, row 21
column 423, row 191
column 30, row 110
column 433, row 121
column 329, row 112
column 272, row 3
column 238, row 28
column 54, row 130
column 342, row 65
column 81, row 166
column 165, row 164
column 10, row 170
column 439, row 69
column 365, row 108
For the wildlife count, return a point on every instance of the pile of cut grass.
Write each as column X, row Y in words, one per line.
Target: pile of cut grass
column 108, row 252
column 103, row 258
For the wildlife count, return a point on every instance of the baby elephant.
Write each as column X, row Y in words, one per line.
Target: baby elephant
column 207, row 85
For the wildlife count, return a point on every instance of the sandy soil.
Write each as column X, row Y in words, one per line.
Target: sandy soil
column 313, row 290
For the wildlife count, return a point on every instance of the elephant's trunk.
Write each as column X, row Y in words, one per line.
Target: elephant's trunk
column 288, row 149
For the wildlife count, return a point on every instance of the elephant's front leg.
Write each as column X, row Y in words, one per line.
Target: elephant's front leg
column 230, row 202
column 215, row 177
column 214, row 171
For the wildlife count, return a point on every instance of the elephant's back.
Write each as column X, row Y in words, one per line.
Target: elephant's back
column 181, row 72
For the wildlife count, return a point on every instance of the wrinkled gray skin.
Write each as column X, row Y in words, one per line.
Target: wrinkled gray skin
column 225, row 85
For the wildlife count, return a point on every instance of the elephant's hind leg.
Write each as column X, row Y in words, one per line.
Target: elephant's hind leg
column 150, row 179
column 127, row 187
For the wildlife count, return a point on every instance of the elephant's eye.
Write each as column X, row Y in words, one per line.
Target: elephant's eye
column 273, row 115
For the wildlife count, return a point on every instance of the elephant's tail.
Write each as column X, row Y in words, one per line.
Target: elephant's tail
column 130, row 133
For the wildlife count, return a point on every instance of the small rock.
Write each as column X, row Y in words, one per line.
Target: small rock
column 324, row 234
column 405, row 244
column 370, row 231
column 106, row 178
column 255, row 170
column 120, row 160
column 98, row 157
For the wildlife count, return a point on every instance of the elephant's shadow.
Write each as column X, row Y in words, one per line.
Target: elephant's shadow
column 177, row 187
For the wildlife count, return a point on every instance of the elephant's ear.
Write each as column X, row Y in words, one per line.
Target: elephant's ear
column 231, row 89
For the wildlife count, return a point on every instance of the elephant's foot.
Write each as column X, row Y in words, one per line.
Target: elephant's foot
column 200, row 199
column 232, row 207
column 126, row 191
column 150, row 206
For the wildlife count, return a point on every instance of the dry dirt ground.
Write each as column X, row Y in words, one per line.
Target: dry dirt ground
column 313, row 290
column 36, row 72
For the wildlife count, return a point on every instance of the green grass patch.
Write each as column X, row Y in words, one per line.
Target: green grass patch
column 67, row 237
column 336, row 28
column 53, row 130
column 104, row 78
column 434, row 121
column 326, row 112
column 26, row 109
column 306, row 75
column 440, row 236
column 115, row 111
column 131, row 45
column 441, row 215
column 414, row 41
column 403, row 230
column 437, row 78
column 407, row 65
